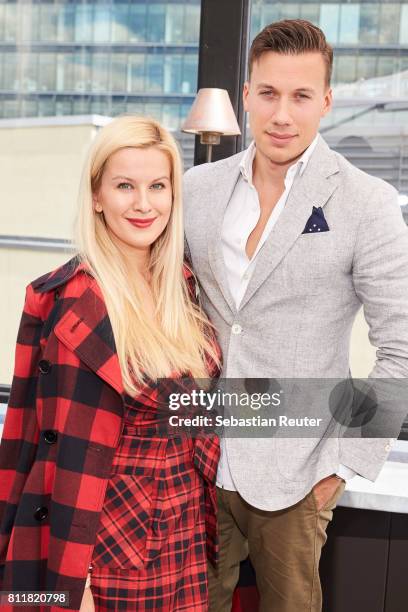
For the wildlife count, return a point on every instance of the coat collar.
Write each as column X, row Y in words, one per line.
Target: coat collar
column 85, row 327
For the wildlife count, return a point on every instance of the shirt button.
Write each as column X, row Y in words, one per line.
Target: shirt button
column 236, row 329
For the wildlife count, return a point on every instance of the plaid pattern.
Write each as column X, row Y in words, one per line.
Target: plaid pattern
column 62, row 427
column 150, row 550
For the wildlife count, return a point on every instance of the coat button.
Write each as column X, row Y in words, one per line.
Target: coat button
column 44, row 366
column 41, row 513
column 50, row 436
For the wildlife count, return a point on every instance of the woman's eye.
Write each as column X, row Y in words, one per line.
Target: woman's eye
column 124, row 186
column 158, row 186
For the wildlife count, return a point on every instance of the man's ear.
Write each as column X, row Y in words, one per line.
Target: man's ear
column 245, row 93
column 328, row 102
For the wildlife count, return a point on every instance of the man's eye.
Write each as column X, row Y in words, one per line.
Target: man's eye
column 125, row 186
column 158, row 186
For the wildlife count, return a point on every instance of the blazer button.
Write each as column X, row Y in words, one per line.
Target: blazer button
column 41, row 513
column 50, row 436
column 44, row 366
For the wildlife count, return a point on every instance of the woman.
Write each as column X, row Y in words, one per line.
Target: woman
column 95, row 500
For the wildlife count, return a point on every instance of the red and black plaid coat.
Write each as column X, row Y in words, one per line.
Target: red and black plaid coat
column 63, row 424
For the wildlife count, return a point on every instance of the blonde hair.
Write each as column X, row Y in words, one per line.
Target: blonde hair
column 180, row 341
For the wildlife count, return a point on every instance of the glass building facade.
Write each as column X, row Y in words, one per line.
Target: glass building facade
column 370, row 39
column 76, row 57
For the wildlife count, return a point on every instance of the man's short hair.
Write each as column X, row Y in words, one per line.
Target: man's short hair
column 291, row 37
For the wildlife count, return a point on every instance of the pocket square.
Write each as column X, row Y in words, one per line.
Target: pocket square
column 316, row 222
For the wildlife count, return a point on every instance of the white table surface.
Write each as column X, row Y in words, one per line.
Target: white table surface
column 389, row 492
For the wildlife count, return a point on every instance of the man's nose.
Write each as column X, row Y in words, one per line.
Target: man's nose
column 281, row 114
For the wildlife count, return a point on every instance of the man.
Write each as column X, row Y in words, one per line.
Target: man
column 288, row 239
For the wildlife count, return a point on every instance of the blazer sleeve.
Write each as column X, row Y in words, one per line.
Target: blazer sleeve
column 19, row 441
column 380, row 276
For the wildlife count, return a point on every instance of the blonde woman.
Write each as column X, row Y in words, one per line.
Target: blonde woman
column 97, row 505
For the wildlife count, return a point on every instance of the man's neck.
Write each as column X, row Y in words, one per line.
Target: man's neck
column 268, row 172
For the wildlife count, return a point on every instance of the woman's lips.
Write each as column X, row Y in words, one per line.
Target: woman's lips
column 142, row 223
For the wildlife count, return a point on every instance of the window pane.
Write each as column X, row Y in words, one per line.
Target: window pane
column 390, row 15
column 156, row 22
column 190, row 74
column 29, row 71
column 120, row 22
column 349, row 24
column 172, row 74
column 154, row 73
column 10, row 71
column 329, row 21
column 48, row 23
column 100, row 72
column 192, row 23
column 369, row 21
column 83, row 22
column 82, row 71
column 66, row 23
column 174, row 23
column 47, row 71
column 119, row 72
column 137, row 22
column 65, row 72
column 136, row 67
column 102, row 22
column 11, row 12
column 46, row 107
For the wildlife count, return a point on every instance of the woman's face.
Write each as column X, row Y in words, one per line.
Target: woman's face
column 135, row 196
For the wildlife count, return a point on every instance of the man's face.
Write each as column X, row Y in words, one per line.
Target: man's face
column 286, row 98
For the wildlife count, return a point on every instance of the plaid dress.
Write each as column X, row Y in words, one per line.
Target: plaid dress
column 150, row 550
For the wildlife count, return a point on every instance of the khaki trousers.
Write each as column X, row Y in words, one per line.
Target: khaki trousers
column 284, row 547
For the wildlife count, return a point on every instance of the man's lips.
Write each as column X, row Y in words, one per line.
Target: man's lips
column 142, row 223
column 281, row 137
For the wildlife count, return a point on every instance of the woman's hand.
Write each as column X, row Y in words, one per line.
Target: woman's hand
column 87, row 603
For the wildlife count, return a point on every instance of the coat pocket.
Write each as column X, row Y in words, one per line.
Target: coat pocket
column 125, row 523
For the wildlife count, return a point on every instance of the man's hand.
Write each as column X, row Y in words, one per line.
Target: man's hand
column 87, row 603
column 325, row 489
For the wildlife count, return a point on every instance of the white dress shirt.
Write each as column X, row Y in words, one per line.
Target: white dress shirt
column 240, row 219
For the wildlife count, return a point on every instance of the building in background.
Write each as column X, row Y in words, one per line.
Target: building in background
column 80, row 57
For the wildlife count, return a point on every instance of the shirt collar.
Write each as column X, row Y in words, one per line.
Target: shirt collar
column 246, row 164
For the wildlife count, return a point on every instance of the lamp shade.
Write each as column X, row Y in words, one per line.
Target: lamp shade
column 212, row 112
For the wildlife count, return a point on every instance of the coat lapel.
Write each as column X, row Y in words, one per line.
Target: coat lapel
column 222, row 188
column 86, row 330
column 313, row 188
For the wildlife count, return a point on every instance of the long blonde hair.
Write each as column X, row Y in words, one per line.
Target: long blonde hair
column 179, row 342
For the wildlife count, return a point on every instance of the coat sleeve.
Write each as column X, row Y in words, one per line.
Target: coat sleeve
column 380, row 276
column 20, row 433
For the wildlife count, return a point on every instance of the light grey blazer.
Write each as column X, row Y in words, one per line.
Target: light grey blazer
column 297, row 313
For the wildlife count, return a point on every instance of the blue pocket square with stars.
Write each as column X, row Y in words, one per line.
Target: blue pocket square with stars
column 316, row 222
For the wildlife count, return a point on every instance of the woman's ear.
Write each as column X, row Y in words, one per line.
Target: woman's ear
column 96, row 205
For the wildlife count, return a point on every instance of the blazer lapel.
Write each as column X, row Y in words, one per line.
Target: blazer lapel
column 223, row 187
column 86, row 330
column 313, row 188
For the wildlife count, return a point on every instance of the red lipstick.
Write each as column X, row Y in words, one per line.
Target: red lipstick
column 142, row 223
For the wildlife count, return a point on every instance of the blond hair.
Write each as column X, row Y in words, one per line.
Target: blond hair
column 179, row 341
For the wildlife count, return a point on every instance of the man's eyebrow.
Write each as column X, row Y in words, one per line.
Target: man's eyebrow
column 272, row 88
